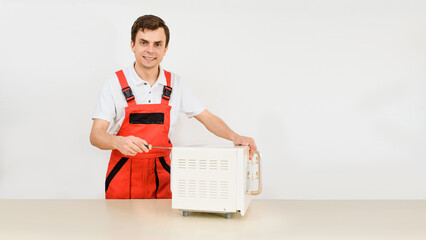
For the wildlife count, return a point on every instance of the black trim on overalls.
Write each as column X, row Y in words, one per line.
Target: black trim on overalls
column 114, row 171
column 157, row 181
column 164, row 164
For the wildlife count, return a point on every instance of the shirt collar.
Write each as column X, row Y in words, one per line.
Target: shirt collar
column 137, row 80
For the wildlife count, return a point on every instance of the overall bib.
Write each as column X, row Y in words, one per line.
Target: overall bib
column 145, row 175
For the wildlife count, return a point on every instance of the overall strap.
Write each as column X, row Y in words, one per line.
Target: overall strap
column 167, row 90
column 128, row 94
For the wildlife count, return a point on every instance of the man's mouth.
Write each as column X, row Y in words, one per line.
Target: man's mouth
column 150, row 58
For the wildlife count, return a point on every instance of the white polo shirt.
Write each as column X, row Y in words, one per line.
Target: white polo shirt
column 111, row 102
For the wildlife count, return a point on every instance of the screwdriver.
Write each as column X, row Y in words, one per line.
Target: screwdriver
column 150, row 147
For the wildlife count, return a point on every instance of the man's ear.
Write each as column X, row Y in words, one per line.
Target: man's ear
column 132, row 45
column 165, row 50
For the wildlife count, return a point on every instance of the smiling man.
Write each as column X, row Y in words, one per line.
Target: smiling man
column 138, row 108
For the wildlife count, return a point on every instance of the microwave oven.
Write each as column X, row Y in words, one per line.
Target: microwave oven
column 214, row 179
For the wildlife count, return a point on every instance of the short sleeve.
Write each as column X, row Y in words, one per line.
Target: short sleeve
column 105, row 107
column 190, row 105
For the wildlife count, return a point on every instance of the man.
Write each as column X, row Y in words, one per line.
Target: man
column 138, row 108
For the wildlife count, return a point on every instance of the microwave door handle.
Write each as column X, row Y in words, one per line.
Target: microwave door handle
column 259, row 174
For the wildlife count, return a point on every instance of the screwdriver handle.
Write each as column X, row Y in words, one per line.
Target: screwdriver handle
column 148, row 146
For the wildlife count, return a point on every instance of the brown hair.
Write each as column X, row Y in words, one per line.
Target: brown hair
column 149, row 22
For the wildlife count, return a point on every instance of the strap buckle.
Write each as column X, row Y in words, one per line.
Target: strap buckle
column 167, row 91
column 128, row 94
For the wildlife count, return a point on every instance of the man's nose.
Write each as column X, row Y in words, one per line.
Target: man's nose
column 150, row 48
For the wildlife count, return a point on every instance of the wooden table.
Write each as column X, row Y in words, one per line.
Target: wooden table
column 265, row 219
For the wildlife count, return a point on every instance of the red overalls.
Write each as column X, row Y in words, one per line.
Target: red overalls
column 145, row 175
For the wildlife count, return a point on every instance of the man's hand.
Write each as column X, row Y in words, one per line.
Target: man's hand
column 246, row 141
column 130, row 145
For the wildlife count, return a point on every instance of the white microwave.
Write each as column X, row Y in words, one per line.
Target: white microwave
column 214, row 179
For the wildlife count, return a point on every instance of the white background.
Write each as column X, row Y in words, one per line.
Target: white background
column 332, row 91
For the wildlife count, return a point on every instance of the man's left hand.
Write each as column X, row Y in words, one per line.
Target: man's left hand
column 246, row 141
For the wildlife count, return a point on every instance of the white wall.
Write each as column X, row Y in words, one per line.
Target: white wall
column 332, row 91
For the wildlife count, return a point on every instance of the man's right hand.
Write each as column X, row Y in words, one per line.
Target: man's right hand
column 130, row 145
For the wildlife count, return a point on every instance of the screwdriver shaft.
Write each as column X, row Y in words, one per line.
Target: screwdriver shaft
column 149, row 147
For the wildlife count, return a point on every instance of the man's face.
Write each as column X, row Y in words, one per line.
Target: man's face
column 149, row 47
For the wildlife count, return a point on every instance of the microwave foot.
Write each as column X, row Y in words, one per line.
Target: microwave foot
column 185, row 213
column 228, row 215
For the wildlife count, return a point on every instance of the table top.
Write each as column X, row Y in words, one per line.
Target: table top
column 265, row 219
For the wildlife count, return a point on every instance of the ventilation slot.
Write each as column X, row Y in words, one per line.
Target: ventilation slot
column 213, row 164
column 192, row 163
column 224, row 190
column 213, row 189
column 202, row 189
column 192, row 188
column 202, row 164
column 182, row 188
column 224, row 165
column 182, row 163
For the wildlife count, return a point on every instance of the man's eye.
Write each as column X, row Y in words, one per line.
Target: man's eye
column 143, row 43
column 158, row 45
